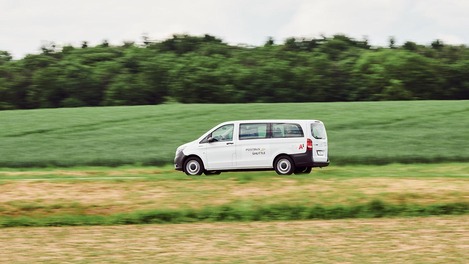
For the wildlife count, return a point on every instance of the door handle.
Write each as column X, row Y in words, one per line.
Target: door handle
column 229, row 143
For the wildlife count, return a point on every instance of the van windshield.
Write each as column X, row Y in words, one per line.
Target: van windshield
column 318, row 131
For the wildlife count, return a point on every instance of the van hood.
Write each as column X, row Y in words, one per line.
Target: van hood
column 183, row 146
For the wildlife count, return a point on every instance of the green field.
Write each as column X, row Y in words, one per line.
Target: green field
column 359, row 133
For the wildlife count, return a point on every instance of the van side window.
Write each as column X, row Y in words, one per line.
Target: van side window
column 286, row 130
column 252, row 131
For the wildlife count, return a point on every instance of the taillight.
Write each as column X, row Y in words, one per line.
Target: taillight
column 309, row 144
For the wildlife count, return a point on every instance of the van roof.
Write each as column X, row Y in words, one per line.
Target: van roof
column 274, row 121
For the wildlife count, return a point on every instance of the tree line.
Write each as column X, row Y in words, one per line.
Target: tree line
column 204, row 69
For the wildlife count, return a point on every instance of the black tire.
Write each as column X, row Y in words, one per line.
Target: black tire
column 303, row 170
column 193, row 166
column 284, row 165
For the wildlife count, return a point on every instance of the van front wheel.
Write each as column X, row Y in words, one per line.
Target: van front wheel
column 284, row 165
column 193, row 166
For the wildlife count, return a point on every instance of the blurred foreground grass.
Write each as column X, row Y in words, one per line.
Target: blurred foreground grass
column 391, row 240
column 129, row 194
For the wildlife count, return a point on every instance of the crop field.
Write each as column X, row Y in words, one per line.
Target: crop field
column 359, row 133
column 96, row 185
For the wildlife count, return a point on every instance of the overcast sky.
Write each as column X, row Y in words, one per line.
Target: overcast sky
column 25, row 25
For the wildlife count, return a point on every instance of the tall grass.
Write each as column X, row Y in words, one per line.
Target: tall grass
column 364, row 132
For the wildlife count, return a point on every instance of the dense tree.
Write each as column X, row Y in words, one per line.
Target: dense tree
column 204, row 69
column 5, row 57
column 397, row 75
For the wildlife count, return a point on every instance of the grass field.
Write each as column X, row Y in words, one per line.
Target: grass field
column 395, row 240
column 62, row 167
column 106, row 192
column 362, row 132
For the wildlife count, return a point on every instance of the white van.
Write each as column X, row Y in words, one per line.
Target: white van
column 287, row 146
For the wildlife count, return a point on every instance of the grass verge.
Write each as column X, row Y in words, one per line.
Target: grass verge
column 284, row 212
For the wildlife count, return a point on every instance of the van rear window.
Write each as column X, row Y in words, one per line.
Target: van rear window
column 318, row 130
column 286, row 130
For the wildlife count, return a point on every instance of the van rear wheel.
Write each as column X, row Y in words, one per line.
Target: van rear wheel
column 284, row 165
column 193, row 166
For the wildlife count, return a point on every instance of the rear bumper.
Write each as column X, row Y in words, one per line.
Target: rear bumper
column 321, row 164
column 306, row 160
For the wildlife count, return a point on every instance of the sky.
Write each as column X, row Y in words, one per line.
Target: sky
column 26, row 25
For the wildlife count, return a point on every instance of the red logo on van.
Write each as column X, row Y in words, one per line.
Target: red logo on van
column 302, row 146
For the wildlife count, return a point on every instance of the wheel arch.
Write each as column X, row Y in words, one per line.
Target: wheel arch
column 278, row 156
column 284, row 165
column 191, row 156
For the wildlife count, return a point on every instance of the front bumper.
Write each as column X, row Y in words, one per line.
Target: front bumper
column 179, row 161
